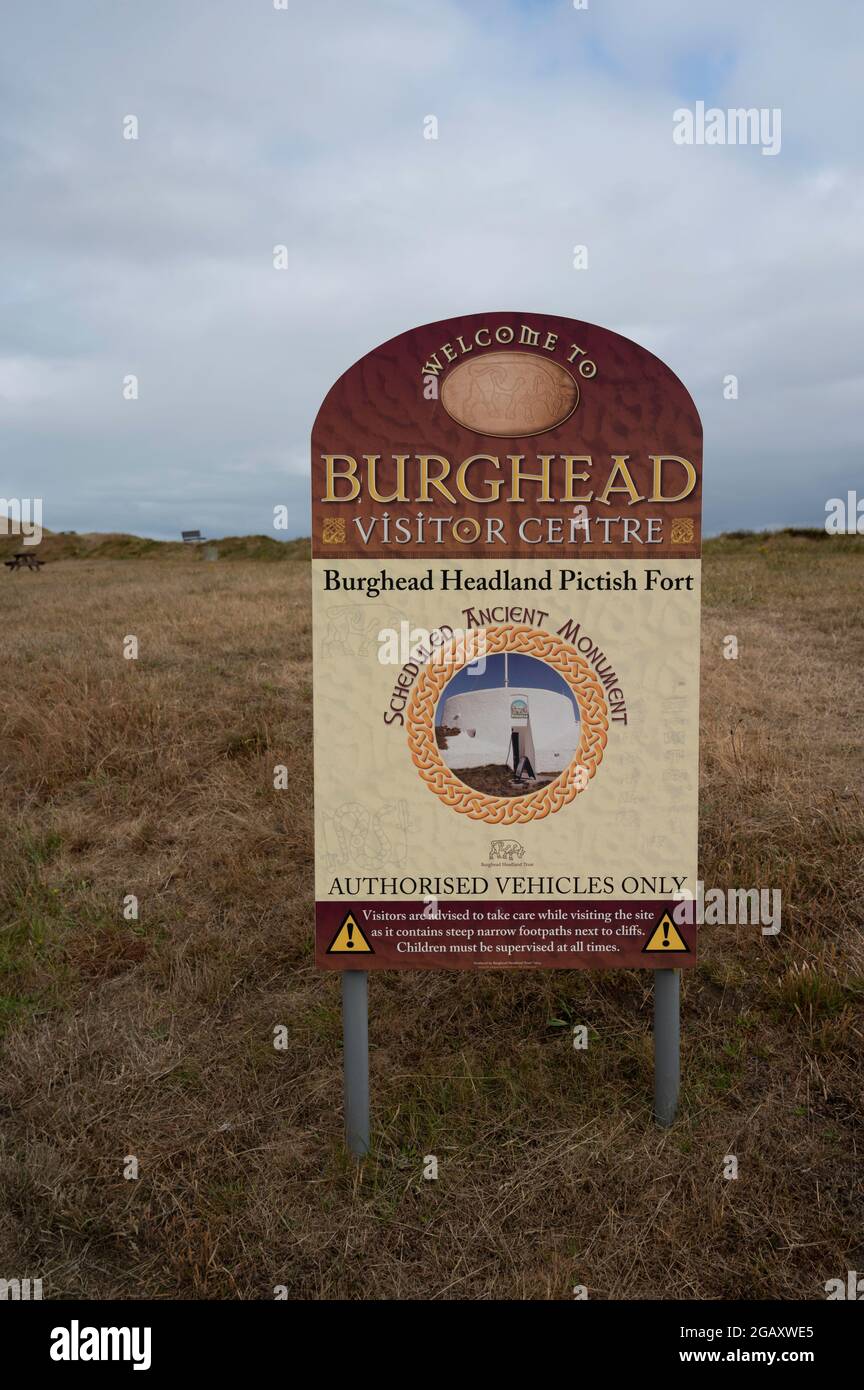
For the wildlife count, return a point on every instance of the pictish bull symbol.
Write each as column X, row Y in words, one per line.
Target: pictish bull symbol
column 506, row 849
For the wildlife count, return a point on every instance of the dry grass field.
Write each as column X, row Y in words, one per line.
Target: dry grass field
column 154, row 1037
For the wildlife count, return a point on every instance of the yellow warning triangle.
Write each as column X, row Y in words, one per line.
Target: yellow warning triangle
column 349, row 940
column 665, row 938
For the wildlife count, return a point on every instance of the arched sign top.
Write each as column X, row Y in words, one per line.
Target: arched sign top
column 485, row 436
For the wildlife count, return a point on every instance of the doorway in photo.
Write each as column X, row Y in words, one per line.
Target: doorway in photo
column 507, row 725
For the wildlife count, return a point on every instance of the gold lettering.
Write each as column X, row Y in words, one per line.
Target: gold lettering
column 571, row 477
column 400, row 495
column 494, row 484
column 349, row 473
column 619, row 465
column 518, row 477
column 658, row 460
column 426, row 481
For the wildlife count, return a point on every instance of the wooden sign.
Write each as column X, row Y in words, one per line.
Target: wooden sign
column 506, row 582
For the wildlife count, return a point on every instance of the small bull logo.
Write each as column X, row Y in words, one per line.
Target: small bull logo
column 507, row 850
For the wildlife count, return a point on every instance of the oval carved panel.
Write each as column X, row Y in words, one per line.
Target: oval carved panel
column 509, row 393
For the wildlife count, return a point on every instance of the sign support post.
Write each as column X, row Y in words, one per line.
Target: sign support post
column 355, row 1041
column 667, row 1045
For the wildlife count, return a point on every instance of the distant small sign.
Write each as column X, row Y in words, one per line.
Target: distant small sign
column 192, row 537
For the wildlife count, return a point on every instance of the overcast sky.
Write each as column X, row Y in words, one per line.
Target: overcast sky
column 304, row 127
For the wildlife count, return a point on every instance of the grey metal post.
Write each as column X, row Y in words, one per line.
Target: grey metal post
column 667, row 1044
column 355, row 1043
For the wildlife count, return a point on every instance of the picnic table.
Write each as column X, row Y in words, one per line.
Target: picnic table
column 23, row 559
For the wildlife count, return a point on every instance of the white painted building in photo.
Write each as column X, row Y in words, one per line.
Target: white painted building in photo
column 502, row 726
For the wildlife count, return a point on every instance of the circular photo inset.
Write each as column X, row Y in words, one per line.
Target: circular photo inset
column 507, row 724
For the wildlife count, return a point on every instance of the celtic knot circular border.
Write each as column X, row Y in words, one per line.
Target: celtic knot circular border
column 508, row 810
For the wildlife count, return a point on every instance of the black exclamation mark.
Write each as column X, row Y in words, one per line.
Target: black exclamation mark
column 666, row 933
column 350, row 926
